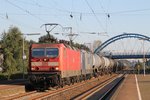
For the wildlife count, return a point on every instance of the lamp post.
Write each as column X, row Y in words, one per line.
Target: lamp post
column 23, row 55
column 23, row 52
column 144, row 54
column 143, row 57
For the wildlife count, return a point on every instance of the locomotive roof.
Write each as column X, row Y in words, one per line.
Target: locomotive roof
column 53, row 44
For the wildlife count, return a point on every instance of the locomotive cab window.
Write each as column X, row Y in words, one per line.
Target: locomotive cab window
column 38, row 52
column 51, row 52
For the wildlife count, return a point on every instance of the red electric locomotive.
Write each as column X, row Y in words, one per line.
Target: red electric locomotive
column 53, row 65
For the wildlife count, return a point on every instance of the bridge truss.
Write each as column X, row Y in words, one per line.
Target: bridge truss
column 119, row 37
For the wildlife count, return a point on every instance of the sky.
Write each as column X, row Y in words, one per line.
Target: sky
column 113, row 17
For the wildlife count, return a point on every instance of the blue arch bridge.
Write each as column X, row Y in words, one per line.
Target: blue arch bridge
column 123, row 55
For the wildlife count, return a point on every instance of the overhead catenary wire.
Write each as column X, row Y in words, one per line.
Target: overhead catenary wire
column 6, row 17
column 95, row 15
column 58, row 9
column 134, row 45
column 84, row 13
column 79, row 13
column 9, row 19
column 76, row 13
column 130, row 11
column 107, row 14
column 24, row 10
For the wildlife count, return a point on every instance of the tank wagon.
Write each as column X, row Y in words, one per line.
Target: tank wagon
column 60, row 64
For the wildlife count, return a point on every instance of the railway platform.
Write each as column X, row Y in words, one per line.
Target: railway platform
column 127, row 90
column 134, row 87
column 144, row 86
column 11, row 87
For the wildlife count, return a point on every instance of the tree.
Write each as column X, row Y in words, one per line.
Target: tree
column 12, row 49
column 9, row 63
column 48, row 39
column 51, row 39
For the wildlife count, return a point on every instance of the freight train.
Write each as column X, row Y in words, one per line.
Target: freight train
column 60, row 64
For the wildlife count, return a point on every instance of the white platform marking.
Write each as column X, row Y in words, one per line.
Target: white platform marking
column 137, row 85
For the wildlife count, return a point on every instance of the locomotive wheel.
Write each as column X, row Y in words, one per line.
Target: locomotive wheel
column 72, row 80
column 84, row 77
column 62, row 83
column 78, row 78
column 68, row 81
column 29, row 87
column 59, row 82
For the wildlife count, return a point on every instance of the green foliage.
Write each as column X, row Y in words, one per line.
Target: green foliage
column 51, row 39
column 12, row 49
column 48, row 39
column 10, row 63
column 81, row 46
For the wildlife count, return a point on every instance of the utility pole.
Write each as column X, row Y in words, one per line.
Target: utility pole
column 49, row 27
column 144, row 53
column 23, row 55
column 23, row 52
column 71, row 35
column 143, row 57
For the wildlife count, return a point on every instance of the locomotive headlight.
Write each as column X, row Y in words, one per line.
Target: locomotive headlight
column 56, row 68
column 32, row 68
column 45, row 59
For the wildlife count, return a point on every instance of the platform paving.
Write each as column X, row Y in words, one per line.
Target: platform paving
column 127, row 90
column 144, row 86
column 11, row 89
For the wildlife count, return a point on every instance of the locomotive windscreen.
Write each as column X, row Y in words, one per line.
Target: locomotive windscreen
column 42, row 52
column 38, row 52
column 51, row 52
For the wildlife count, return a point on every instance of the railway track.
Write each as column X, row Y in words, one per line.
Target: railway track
column 68, row 92
column 71, row 92
column 101, row 91
column 111, row 88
